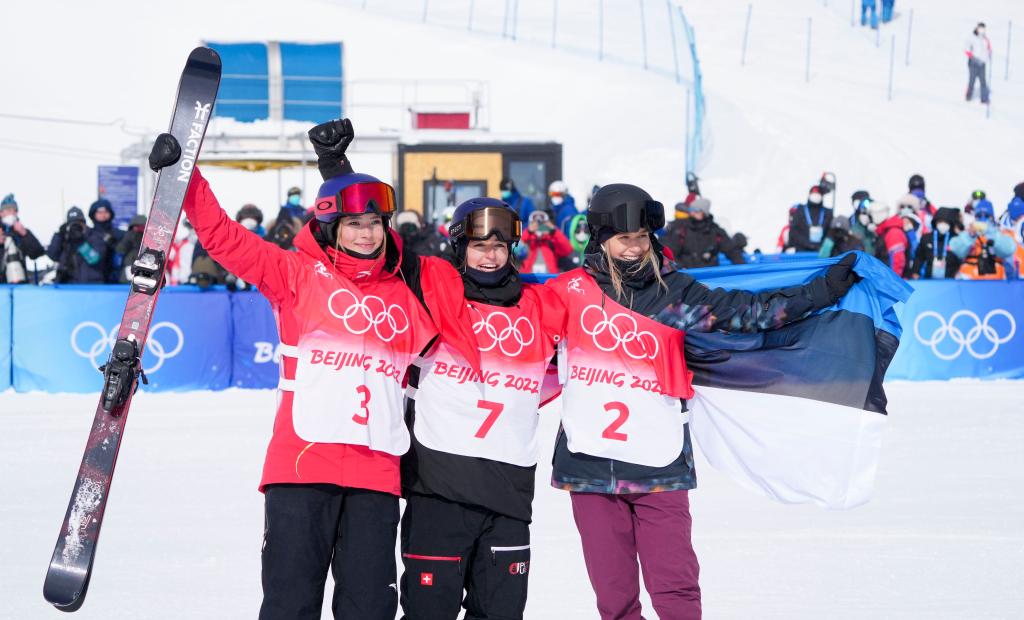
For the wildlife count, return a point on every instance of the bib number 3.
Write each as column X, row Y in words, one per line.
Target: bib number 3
column 612, row 431
column 363, row 417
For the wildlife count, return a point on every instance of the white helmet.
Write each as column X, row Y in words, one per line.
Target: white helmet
column 557, row 192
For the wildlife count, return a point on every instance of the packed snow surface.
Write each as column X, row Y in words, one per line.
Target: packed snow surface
column 943, row 538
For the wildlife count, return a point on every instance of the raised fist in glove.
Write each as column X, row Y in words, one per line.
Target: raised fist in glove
column 330, row 140
column 840, row 277
column 166, row 152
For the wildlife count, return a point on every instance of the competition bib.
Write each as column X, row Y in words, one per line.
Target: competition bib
column 491, row 414
column 352, row 361
column 613, row 405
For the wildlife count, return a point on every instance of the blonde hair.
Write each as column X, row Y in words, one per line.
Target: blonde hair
column 616, row 275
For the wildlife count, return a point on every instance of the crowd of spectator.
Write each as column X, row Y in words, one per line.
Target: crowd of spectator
column 916, row 239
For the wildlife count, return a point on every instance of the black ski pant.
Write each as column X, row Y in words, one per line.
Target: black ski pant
column 976, row 71
column 312, row 527
column 448, row 547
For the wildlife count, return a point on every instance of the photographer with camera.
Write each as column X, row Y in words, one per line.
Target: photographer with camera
column 83, row 255
column 16, row 243
column 545, row 244
column 983, row 248
column 696, row 240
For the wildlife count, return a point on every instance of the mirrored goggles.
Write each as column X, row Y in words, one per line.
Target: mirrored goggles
column 483, row 223
column 357, row 199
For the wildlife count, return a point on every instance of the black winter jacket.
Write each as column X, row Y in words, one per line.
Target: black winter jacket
column 687, row 305
column 697, row 243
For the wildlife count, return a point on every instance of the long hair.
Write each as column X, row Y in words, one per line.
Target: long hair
column 617, row 276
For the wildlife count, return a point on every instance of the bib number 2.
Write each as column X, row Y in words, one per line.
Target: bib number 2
column 363, row 417
column 612, row 431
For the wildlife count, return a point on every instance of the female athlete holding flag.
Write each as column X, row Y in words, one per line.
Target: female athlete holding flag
column 624, row 450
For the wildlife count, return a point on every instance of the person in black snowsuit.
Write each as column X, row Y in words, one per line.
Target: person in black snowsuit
column 419, row 239
column 101, row 214
column 808, row 223
column 83, row 254
column 697, row 240
column 933, row 248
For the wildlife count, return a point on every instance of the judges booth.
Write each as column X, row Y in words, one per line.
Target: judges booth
column 433, row 176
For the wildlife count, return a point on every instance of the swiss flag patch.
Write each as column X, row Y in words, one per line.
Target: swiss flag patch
column 426, row 579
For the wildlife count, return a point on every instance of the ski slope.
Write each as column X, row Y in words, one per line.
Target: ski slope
column 943, row 538
column 770, row 133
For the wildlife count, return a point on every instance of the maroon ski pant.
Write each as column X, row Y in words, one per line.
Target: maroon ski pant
column 654, row 527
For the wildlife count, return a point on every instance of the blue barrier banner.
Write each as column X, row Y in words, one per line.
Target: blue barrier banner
column 5, row 336
column 62, row 334
column 254, row 355
column 961, row 329
column 120, row 185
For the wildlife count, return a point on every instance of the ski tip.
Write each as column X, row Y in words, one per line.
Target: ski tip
column 205, row 57
column 65, row 589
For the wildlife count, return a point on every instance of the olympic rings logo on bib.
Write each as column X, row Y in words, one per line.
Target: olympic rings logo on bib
column 506, row 330
column 621, row 330
column 370, row 312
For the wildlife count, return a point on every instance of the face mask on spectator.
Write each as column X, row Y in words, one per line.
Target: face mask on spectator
column 942, row 227
column 250, row 223
column 556, row 199
column 9, row 220
column 295, row 200
column 864, row 219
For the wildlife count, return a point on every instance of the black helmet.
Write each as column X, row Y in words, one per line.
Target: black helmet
column 916, row 182
column 619, row 208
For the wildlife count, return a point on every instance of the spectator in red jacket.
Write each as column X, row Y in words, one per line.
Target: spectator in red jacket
column 545, row 245
column 890, row 235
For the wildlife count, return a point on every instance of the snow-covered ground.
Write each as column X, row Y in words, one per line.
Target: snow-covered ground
column 943, row 538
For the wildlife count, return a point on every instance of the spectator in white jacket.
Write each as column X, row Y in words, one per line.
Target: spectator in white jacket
column 979, row 55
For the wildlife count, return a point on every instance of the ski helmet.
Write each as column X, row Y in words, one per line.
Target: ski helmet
column 353, row 194
column 620, row 208
column 482, row 218
column 916, row 182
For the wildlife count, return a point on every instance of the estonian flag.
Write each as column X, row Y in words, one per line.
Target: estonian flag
column 797, row 413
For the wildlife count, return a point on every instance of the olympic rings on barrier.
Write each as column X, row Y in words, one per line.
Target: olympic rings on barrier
column 98, row 350
column 964, row 340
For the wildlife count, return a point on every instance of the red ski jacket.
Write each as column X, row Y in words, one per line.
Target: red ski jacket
column 352, row 325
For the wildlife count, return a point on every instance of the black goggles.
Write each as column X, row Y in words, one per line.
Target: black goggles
column 630, row 217
column 483, row 223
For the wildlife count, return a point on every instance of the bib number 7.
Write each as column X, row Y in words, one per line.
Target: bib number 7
column 612, row 431
column 494, row 410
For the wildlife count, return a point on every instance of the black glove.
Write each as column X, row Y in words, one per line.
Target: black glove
column 840, row 277
column 330, row 140
column 166, row 152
